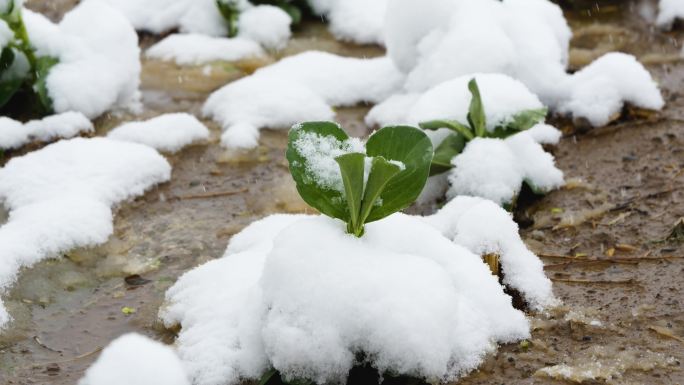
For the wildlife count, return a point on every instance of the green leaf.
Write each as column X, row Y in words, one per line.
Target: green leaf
column 6, row 59
column 380, row 175
column 13, row 77
column 450, row 124
column 527, row 119
column 352, row 167
column 43, row 66
column 411, row 147
column 451, row 146
column 266, row 378
column 231, row 14
column 476, row 114
column 328, row 201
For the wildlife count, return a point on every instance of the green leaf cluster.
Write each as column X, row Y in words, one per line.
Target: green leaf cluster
column 399, row 158
column 476, row 127
column 20, row 68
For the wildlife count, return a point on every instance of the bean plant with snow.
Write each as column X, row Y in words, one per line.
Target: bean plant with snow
column 310, row 297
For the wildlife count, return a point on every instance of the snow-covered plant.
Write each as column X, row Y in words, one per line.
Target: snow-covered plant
column 294, row 8
column 476, row 127
column 230, row 11
column 20, row 68
column 345, row 179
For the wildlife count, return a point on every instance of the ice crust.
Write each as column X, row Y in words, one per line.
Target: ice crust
column 299, row 294
column 61, row 197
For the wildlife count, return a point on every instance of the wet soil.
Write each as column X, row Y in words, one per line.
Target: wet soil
column 603, row 238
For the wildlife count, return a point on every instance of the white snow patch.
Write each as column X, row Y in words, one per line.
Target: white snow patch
column 14, row 134
column 61, row 197
column 194, row 49
column 359, row 21
column 168, row 132
column 669, row 11
column 485, row 228
column 266, row 24
column 502, row 97
column 99, row 66
column 6, row 34
column 296, row 293
column 296, row 89
column 526, row 39
column 495, row 169
column 133, row 359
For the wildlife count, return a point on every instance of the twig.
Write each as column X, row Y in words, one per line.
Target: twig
column 207, row 195
column 39, row 342
column 591, row 262
column 665, row 333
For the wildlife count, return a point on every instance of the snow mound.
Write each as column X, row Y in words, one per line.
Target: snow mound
column 6, row 34
column 495, row 169
column 264, row 24
column 502, row 97
column 168, row 133
column 359, row 21
column 669, row 11
column 61, row 197
column 98, row 70
column 299, row 294
column 485, row 228
column 298, row 88
column 133, row 359
column 194, row 49
column 525, row 39
column 14, row 134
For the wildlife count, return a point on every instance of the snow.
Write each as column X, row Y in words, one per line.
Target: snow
column 194, row 49
column 297, row 293
column 6, row 34
column 669, row 11
column 14, row 134
column 485, row 228
column 168, row 132
column 525, row 39
column 98, row 70
column 266, row 24
column 298, row 88
column 495, row 169
column 598, row 91
column 61, row 197
column 320, row 153
column 359, row 21
column 502, row 97
column 133, row 359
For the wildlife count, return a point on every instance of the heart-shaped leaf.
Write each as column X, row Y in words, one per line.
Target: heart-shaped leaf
column 413, row 149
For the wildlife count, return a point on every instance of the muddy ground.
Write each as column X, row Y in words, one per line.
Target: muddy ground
column 609, row 239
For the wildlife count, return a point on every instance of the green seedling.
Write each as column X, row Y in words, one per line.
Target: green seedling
column 20, row 68
column 476, row 127
column 386, row 179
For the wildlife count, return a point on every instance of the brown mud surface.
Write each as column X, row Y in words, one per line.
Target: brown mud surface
column 609, row 239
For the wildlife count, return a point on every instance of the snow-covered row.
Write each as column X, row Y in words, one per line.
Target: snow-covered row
column 133, row 359
column 168, row 133
column 14, row 134
column 669, row 11
column 298, row 88
column 99, row 66
column 61, row 197
column 526, row 39
column 406, row 294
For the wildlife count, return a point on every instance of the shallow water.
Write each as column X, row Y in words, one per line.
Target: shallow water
column 67, row 309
